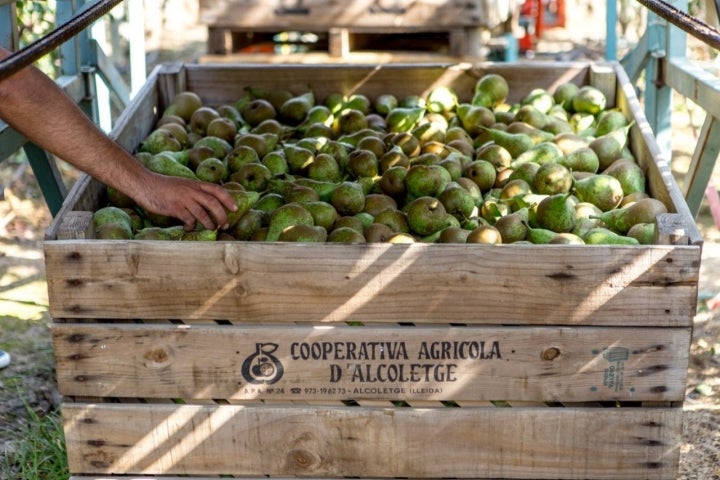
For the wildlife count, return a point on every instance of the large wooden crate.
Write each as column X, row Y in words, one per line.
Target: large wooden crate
column 463, row 21
column 259, row 359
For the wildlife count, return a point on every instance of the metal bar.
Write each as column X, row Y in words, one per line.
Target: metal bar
column 48, row 176
column 42, row 46
column 697, row 28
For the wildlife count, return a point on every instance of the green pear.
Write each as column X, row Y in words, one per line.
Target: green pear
column 160, row 140
column 348, row 198
column 384, row 103
column 404, row 119
column 552, row 178
column 363, row 163
column 258, row 110
column 294, row 110
column 426, row 180
column 622, row 219
column 609, row 147
column 531, row 115
column 569, row 142
column 567, row 238
column 392, row 181
column 589, row 99
column 345, row 235
column 629, row 174
column 513, row 227
column 276, row 162
column 604, row 236
column 222, row 128
column 165, row 164
column 247, row 225
column 203, row 235
column 253, row 176
column 114, row 231
column 298, row 158
column 174, row 232
column 323, row 213
column 426, row 215
column 275, row 96
column 490, row 90
column 244, row 201
column 584, row 159
column 393, row 218
column 349, row 221
column 515, row 143
column 378, row 233
column 543, row 152
column 201, row 118
column 537, row 135
column 539, row 98
column 610, row 120
column 453, row 235
column 323, row 189
column 458, row 201
column 239, row 156
column 482, row 172
column 539, row 235
column 564, row 94
column 557, row 213
column 644, row 233
column 212, row 170
column 285, row 216
column 219, row 146
column 474, row 118
column 349, row 121
column 603, row 191
column 184, row 104
column 487, row 234
column 303, row 233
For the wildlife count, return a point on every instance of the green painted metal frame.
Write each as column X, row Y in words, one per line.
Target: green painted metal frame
column 661, row 56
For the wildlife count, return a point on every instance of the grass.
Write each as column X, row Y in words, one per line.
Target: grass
column 39, row 449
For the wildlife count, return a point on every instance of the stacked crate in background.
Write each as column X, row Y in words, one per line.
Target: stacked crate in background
column 457, row 28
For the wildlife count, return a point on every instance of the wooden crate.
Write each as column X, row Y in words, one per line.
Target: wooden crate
column 236, row 23
column 378, row 360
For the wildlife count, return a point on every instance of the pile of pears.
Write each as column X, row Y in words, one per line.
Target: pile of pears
column 554, row 167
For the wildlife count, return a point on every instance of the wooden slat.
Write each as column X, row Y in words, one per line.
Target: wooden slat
column 422, row 283
column 317, row 15
column 538, row 443
column 400, row 363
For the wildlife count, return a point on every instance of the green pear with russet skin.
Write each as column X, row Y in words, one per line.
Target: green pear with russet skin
column 212, row 170
column 245, row 201
column 393, row 218
column 603, row 191
column 345, row 235
column 644, row 233
column 404, row 119
column 303, row 233
column 174, row 232
column 203, row 235
column 604, row 236
column 557, row 213
column 285, row 216
column 252, row 221
column 165, row 164
column 646, row 210
column 348, row 198
column 583, row 159
column 294, row 110
column 426, row 215
column 629, row 174
column 426, row 180
column 323, row 213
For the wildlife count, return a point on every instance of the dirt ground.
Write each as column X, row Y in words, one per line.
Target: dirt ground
column 29, row 382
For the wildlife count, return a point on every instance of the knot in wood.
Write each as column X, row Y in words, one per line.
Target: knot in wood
column 551, row 353
column 156, row 356
column 303, row 459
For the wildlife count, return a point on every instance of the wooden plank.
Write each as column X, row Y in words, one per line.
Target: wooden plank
column 219, row 84
column 538, row 443
column 317, row 15
column 694, row 82
column 391, row 363
column 422, row 283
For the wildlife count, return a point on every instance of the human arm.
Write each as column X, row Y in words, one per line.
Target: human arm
column 35, row 106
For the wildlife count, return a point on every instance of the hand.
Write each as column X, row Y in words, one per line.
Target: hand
column 190, row 201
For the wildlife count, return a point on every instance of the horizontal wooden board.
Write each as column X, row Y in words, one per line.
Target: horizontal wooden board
column 545, row 364
column 538, row 443
column 315, row 15
column 423, row 283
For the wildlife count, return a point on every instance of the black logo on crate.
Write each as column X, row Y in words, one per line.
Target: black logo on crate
column 262, row 367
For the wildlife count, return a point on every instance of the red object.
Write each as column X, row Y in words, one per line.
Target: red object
column 536, row 15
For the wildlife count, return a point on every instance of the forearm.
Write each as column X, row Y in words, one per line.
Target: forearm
column 53, row 121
